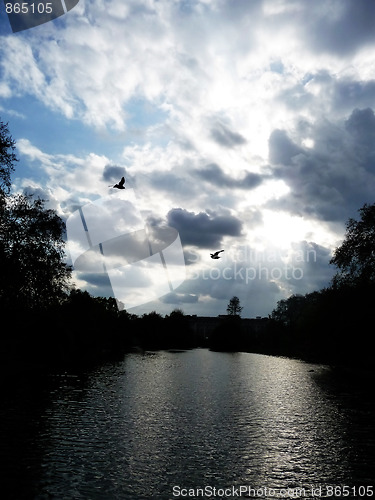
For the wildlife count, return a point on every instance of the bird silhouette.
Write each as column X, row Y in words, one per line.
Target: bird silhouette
column 120, row 185
column 216, row 254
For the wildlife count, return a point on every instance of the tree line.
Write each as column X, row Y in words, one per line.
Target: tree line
column 335, row 324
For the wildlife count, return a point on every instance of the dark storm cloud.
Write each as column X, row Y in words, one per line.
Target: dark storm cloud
column 334, row 27
column 201, row 229
column 338, row 95
column 281, row 148
column 348, row 93
column 113, row 173
column 226, row 137
column 173, row 183
column 213, row 174
column 361, row 125
column 334, row 178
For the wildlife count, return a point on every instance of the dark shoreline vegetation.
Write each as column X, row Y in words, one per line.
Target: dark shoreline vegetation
column 47, row 324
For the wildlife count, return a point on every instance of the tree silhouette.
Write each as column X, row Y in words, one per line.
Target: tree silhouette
column 234, row 308
column 356, row 256
column 32, row 271
column 7, row 158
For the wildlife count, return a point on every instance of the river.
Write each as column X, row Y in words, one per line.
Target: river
column 193, row 424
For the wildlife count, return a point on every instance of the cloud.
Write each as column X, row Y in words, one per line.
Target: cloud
column 313, row 259
column 325, row 93
column 113, row 173
column 36, row 192
column 213, row 174
column 226, row 137
column 333, row 178
column 174, row 182
column 180, row 298
column 339, row 27
column 361, row 125
column 191, row 257
column 94, row 283
column 281, row 148
column 348, row 93
column 203, row 230
column 335, row 27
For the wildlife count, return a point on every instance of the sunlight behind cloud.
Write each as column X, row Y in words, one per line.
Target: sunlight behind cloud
column 282, row 229
column 270, row 190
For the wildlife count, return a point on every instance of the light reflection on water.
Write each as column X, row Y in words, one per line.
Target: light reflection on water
column 135, row 429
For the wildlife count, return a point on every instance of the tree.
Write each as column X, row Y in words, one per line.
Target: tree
column 356, row 256
column 288, row 310
column 178, row 332
column 151, row 331
column 234, row 308
column 7, row 158
column 32, row 271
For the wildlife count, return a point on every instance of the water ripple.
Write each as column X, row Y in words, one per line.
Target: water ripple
column 134, row 429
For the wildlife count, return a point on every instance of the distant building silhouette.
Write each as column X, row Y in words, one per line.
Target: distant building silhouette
column 203, row 326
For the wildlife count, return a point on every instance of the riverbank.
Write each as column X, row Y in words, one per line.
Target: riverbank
column 85, row 331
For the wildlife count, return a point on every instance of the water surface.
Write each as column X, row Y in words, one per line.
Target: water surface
column 137, row 428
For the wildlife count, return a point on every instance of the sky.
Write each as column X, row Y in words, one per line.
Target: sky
column 245, row 125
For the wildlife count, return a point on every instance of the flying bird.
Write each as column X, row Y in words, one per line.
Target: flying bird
column 216, row 254
column 120, row 185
